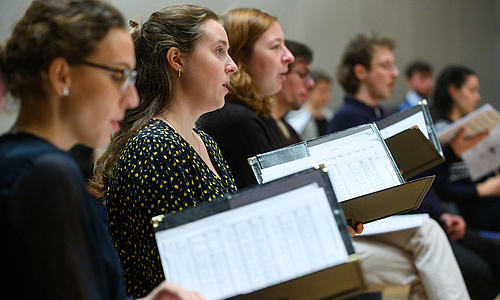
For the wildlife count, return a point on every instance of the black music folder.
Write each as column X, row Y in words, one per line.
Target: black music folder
column 363, row 173
column 412, row 140
column 287, row 239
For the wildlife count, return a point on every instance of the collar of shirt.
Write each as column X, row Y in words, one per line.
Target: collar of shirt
column 377, row 112
column 413, row 98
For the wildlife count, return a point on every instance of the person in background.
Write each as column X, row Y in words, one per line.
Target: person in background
column 367, row 73
column 477, row 257
column 158, row 163
column 244, row 127
column 311, row 119
column 262, row 59
column 456, row 94
column 71, row 65
column 295, row 89
column 419, row 83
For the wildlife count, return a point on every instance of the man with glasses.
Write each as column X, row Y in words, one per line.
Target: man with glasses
column 420, row 257
column 367, row 73
column 295, row 89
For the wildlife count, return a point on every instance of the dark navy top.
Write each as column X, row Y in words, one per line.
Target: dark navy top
column 354, row 113
column 55, row 241
column 240, row 134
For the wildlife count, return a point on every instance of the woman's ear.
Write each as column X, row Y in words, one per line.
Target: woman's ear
column 60, row 76
column 360, row 72
column 175, row 59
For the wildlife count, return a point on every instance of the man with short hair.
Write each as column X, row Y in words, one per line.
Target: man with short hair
column 367, row 73
column 295, row 89
column 419, row 83
column 422, row 256
column 311, row 119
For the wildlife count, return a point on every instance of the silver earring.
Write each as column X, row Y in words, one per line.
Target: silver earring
column 179, row 74
column 65, row 91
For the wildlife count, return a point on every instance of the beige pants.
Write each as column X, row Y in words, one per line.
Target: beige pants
column 420, row 257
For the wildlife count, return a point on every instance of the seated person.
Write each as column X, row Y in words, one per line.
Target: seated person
column 367, row 73
column 457, row 94
column 70, row 64
column 315, row 110
column 158, row 163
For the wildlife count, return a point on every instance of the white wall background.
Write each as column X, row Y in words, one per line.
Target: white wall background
column 440, row 31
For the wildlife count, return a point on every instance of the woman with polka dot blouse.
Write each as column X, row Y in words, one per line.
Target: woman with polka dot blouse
column 158, row 162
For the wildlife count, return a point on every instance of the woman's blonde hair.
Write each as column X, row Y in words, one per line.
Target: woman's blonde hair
column 244, row 26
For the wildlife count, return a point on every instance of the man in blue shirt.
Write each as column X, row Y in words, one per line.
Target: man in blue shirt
column 367, row 74
column 419, row 83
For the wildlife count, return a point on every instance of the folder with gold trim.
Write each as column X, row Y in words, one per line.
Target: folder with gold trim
column 365, row 178
column 287, row 239
column 412, row 140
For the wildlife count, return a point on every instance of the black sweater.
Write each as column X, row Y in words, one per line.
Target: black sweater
column 240, row 134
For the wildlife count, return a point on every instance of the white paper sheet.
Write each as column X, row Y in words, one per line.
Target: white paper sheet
column 484, row 157
column 481, row 119
column 394, row 223
column 357, row 165
column 417, row 119
column 254, row 246
column 300, row 120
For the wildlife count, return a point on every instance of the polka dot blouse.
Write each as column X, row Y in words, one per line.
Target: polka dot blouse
column 157, row 173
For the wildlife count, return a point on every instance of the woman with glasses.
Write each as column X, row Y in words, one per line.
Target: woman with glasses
column 70, row 64
column 158, row 163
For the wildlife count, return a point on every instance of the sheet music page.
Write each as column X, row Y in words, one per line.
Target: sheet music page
column 288, row 168
column 394, row 223
column 254, row 246
column 481, row 119
column 484, row 157
column 357, row 165
column 417, row 119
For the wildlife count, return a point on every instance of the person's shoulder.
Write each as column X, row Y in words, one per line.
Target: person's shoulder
column 346, row 111
column 232, row 116
column 21, row 145
column 18, row 153
column 345, row 117
column 204, row 136
column 58, row 164
column 235, row 111
column 49, row 172
column 153, row 136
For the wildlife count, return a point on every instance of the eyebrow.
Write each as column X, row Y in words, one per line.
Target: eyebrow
column 277, row 39
column 123, row 64
column 222, row 42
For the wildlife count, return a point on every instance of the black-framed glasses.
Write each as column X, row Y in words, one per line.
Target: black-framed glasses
column 128, row 75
